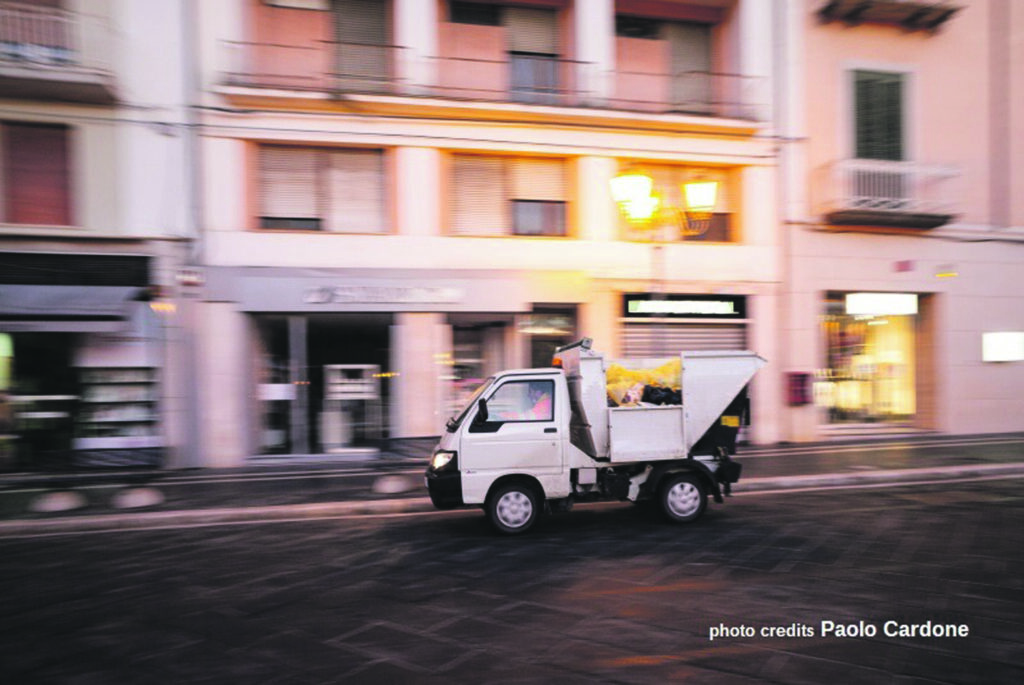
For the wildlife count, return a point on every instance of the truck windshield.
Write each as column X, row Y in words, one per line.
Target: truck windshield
column 455, row 421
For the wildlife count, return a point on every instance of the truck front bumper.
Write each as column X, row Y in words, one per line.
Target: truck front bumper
column 445, row 488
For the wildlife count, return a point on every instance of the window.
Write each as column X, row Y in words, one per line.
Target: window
column 533, row 55
column 508, row 196
column 878, row 115
column 522, row 401
column 35, row 175
column 637, row 27
column 475, row 13
column 538, row 217
column 338, row 190
column 878, row 135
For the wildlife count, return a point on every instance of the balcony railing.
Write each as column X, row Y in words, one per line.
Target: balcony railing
column 51, row 53
column 888, row 193
column 329, row 67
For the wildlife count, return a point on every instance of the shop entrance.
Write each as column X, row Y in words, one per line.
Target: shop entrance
column 323, row 382
column 39, row 394
column 871, row 358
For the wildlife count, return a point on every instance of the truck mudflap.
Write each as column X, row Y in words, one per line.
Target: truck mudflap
column 728, row 471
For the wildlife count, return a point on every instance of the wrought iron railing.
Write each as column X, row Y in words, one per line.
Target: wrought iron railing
column 41, row 35
column 870, row 185
column 520, row 77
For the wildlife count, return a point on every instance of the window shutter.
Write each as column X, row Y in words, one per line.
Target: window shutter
column 288, row 188
column 36, row 174
column 532, row 30
column 878, row 110
column 538, row 179
column 691, row 63
column 480, row 196
column 362, row 39
column 356, row 191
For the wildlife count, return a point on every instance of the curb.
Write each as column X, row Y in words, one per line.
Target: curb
column 328, row 510
column 881, row 476
column 195, row 517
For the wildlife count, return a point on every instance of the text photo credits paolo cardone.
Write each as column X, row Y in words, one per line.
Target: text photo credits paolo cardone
column 827, row 628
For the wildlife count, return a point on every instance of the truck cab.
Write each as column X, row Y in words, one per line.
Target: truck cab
column 530, row 440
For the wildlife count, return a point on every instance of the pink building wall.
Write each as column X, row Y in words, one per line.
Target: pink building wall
column 289, row 47
column 947, row 119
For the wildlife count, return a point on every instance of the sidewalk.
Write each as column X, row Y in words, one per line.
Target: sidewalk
column 393, row 483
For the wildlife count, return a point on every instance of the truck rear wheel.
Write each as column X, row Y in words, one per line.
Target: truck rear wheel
column 513, row 508
column 683, row 497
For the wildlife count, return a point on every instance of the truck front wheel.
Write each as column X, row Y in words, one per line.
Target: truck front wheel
column 513, row 508
column 683, row 497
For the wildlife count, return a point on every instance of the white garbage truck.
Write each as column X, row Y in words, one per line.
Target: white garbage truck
column 535, row 440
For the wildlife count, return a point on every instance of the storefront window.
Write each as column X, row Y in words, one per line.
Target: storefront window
column 870, row 342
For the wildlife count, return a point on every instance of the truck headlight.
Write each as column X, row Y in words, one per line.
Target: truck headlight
column 441, row 459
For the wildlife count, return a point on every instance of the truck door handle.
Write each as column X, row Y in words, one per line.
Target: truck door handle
column 550, row 430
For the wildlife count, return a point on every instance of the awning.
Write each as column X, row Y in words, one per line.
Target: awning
column 65, row 308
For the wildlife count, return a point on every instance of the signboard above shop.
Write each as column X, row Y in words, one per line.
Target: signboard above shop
column 285, row 289
column 676, row 306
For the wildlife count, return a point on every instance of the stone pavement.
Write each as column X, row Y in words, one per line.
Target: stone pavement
column 391, row 482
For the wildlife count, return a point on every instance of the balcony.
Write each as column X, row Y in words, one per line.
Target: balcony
column 328, row 70
column 47, row 53
column 869, row 192
column 910, row 15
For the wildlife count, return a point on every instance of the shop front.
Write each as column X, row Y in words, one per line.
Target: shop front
column 872, row 342
column 80, row 362
column 663, row 324
column 342, row 361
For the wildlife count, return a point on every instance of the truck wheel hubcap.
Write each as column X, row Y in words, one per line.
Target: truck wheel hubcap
column 514, row 509
column 683, row 499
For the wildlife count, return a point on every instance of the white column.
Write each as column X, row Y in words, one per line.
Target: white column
column 767, row 403
column 416, row 35
column 594, row 32
column 596, row 211
column 223, row 384
column 418, row 392
column 755, row 29
column 417, row 191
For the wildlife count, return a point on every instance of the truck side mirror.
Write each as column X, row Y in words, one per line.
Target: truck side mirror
column 481, row 412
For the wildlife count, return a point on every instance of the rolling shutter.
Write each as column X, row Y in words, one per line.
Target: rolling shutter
column 288, row 188
column 538, row 179
column 691, row 65
column 362, row 44
column 36, row 175
column 480, row 196
column 669, row 339
column 532, row 30
column 356, row 191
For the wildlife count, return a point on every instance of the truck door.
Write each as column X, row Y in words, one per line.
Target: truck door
column 522, row 433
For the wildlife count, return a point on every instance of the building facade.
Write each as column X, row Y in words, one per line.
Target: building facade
column 253, row 230
column 405, row 196
column 902, row 237
column 92, row 231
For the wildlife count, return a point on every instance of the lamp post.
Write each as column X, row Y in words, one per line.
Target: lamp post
column 633, row 192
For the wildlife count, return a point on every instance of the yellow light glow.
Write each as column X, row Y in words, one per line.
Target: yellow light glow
column 701, row 196
column 631, row 187
column 641, row 210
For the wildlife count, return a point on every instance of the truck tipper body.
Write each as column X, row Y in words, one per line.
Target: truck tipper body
column 536, row 440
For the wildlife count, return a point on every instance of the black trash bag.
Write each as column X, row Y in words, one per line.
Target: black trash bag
column 654, row 394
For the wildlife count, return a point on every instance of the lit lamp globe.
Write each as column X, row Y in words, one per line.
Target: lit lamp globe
column 632, row 192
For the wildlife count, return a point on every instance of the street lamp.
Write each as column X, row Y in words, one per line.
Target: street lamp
column 633, row 192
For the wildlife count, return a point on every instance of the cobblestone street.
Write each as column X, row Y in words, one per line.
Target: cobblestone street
column 607, row 593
